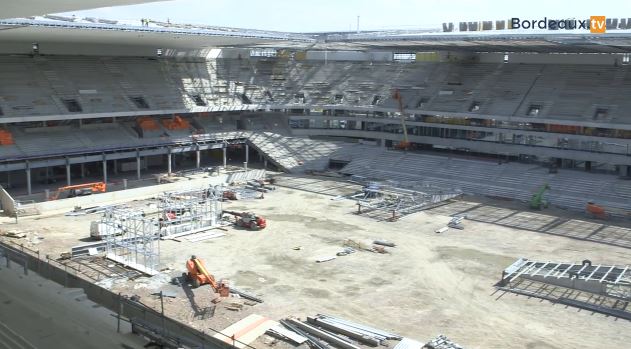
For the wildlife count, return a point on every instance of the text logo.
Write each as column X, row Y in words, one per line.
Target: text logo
column 597, row 24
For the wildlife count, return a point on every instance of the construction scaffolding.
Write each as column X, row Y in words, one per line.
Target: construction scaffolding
column 600, row 288
column 397, row 200
column 191, row 211
column 132, row 239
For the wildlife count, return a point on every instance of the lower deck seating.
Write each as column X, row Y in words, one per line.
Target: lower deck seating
column 568, row 188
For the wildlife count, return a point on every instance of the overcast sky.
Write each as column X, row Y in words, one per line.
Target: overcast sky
column 338, row 15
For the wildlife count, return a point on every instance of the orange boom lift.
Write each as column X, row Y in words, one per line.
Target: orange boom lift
column 80, row 190
column 198, row 275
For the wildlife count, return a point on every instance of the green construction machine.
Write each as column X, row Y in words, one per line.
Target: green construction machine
column 538, row 202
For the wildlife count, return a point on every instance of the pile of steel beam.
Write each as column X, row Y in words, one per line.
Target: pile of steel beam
column 323, row 331
column 441, row 342
column 363, row 333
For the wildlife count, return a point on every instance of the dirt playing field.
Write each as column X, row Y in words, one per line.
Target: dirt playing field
column 428, row 284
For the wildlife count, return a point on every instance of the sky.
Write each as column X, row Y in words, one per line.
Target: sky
column 341, row 15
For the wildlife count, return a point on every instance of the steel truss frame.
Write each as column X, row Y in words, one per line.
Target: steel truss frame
column 132, row 239
column 400, row 199
column 600, row 288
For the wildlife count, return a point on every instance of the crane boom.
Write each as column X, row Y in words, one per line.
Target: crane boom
column 396, row 95
column 198, row 275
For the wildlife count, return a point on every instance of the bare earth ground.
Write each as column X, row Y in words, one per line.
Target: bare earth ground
column 429, row 284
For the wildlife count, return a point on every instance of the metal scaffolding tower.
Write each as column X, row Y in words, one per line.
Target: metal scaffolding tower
column 132, row 239
column 190, row 211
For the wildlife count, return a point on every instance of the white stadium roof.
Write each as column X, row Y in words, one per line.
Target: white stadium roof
column 69, row 35
column 25, row 8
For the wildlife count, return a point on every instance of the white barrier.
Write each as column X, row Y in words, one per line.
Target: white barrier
column 127, row 195
column 8, row 204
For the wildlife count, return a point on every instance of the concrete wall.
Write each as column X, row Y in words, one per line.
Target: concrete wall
column 393, row 121
column 54, row 271
column 62, row 205
column 349, row 56
column 543, row 58
column 244, row 53
column 477, row 146
column 101, row 49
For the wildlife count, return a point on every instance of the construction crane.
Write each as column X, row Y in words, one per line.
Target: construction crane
column 537, row 202
column 405, row 145
column 198, row 275
column 248, row 220
column 80, row 190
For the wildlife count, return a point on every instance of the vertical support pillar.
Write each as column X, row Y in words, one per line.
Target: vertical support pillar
column 225, row 159
column 115, row 166
column 68, row 175
column 28, row 178
column 138, row 164
column 169, row 168
column 8, row 179
column 197, row 158
column 245, row 165
column 82, row 168
column 247, row 153
column 104, row 168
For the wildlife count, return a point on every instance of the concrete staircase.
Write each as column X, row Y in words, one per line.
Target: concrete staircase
column 293, row 154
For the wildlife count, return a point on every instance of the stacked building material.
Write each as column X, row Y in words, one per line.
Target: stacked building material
column 323, row 331
column 284, row 333
column 441, row 342
column 328, row 337
column 313, row 341
column 247, row 330
column 357, row 331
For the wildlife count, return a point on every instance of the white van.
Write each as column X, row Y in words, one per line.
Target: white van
column 100, row 230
